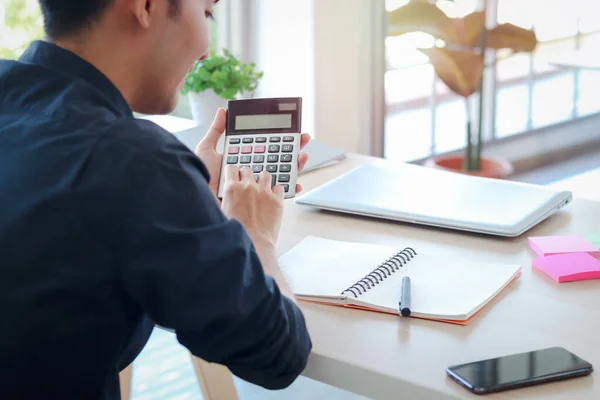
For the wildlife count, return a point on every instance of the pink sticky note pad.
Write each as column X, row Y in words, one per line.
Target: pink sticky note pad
column 552, row 245
column 569, row 267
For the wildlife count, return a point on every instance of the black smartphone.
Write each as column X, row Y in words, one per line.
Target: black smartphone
column 519, row 370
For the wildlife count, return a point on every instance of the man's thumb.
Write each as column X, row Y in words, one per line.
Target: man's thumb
column 216, row 128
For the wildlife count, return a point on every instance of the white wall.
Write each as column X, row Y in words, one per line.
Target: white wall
column 350, row 73
column 330, row 53
column 285, row 52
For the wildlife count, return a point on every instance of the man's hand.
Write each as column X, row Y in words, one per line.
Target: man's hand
column 257, row 205
column 207, row 151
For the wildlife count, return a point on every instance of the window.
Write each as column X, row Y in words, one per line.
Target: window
column 20, row 23
column 424, row 118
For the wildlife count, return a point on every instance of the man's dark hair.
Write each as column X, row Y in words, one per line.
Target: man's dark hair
column 67, row 17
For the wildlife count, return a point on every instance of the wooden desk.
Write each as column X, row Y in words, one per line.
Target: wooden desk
column 385, row 357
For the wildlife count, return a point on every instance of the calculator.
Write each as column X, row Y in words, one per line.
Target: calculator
column 264, row 135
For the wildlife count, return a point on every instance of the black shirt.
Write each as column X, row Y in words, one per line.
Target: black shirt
column 108, row 227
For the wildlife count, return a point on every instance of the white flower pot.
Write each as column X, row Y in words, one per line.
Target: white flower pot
column 204, row 106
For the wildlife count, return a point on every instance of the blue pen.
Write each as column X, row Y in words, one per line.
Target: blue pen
column 404, row 305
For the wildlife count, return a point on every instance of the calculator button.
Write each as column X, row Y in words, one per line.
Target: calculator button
column 287, row 148
column 274, row 148
column 258, row 159
column 248, row 140
column 232, row 160
column 245, row 159
column 261, row 140
column 271, row 168
column 273, row 180
column 257, row 168
column 284, row 178
column 285, row 168
column 234, row 141
column 260, row 148
column 275, row 139
column 286, row 158
column 234, row 150
column 271, row 158
column 288, row 138
column 286, row 188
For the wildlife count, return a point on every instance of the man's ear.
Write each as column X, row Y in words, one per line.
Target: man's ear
column 143, row 11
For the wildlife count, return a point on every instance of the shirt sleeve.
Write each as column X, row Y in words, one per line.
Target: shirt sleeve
column 196, row 272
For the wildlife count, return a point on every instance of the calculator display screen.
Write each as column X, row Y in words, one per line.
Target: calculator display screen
column 263, row 121
column 264, row 115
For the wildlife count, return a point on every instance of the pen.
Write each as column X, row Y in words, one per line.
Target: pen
column 404, row 305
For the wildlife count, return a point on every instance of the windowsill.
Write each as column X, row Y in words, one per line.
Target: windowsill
column 544, row 146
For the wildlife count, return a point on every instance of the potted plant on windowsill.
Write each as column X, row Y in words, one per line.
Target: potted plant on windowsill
column 460, row 63
column 215, row 80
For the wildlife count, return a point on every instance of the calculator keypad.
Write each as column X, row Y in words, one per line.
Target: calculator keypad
column 273, row 154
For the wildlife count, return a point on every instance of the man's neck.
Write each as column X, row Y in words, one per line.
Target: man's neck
column 106, row 55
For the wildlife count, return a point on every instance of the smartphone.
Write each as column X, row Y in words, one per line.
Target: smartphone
column 264, row 135
column 519, row 370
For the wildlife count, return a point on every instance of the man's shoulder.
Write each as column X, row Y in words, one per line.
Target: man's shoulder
column 141, row 138
column 144, row 134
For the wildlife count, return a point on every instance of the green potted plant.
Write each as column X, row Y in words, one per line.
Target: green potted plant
column 219, row 78
column 460, row 63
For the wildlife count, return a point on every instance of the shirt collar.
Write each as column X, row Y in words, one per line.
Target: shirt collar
column 54, row 57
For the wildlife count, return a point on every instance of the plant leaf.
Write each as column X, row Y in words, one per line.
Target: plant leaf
column 509, row 36
column 466, row 31
column 423, row 16
column 461, row 71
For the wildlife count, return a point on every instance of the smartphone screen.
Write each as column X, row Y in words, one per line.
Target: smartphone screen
column 519, row 370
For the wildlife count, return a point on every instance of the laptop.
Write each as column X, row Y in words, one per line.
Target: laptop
column 421, row 195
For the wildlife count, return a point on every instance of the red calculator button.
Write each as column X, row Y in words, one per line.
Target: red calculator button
column 246, row 149
column 260, row 148
column 234, row 150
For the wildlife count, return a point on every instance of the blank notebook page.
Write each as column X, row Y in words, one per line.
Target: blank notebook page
column 319, row 267
column 442, row 286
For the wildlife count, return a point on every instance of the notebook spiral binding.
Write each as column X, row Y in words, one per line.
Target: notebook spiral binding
column 383, row 271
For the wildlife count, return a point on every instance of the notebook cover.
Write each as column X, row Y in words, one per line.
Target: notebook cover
column 448, row 321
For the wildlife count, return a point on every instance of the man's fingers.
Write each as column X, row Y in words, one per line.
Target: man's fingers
column 279, row 192
column 216, row 130
column 232, row 173
column 264, row 179
column 299, row 188
column 302, row 160
column 304, row 139
column 247, row 174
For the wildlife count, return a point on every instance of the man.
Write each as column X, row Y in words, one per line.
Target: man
column 109, row 225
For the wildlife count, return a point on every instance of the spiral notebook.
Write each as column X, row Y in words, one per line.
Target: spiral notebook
column 369, row 276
